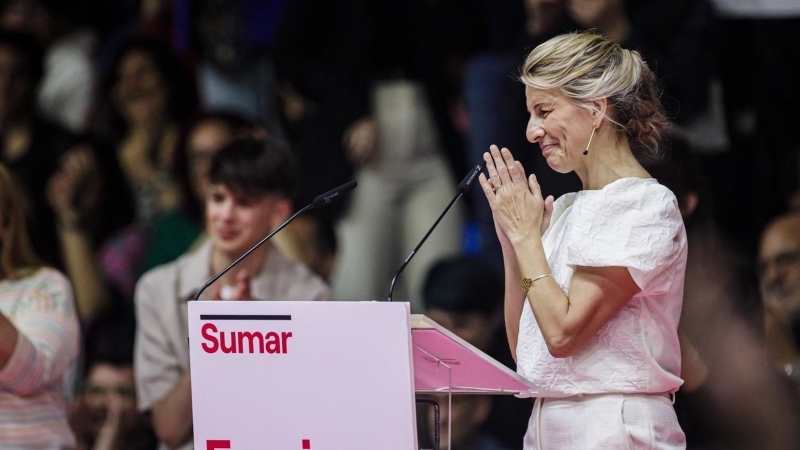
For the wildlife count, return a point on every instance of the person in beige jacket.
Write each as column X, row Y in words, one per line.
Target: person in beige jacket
column 251, row 186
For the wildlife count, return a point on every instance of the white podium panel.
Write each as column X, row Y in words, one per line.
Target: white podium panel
column 301, row 375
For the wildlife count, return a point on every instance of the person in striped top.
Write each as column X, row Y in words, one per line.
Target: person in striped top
column 39, row 335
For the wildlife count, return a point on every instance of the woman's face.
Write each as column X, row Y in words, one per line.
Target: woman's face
column 205, row 140
column 560, row 127
column 235, row 222
column 140, row 93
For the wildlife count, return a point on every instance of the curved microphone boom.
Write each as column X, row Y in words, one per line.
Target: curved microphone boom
column 319, row 202
column 463, row 187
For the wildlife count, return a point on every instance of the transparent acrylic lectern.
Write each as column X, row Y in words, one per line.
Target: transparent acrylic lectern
column 446, row 364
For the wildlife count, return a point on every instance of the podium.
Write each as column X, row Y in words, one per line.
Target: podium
column 325, row 375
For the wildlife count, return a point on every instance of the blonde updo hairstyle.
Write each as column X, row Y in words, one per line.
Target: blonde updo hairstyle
column 586, row 67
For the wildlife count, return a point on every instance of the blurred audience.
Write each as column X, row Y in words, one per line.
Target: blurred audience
column 462, row 296
column 146, row 99
column 66, row 91
column 145, row 102
column 30, row 146
column 38, row 337
column 326, row 112
column 779, row 273
column 250, row 185
column 90, row 200
column 127, row 172
column 311, row 240
column 724, row 366
column 232, row 42
column 104, row 415
column 404, row 150
column 759, row 109
column 467, row 413
column 465, row 295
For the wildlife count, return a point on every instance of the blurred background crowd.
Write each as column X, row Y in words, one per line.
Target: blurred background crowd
column 111, row 111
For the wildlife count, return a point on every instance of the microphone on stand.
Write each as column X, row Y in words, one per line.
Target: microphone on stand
column 320, row 201
column 463, row 187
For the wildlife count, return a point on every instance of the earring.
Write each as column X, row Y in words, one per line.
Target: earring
column 594, row 127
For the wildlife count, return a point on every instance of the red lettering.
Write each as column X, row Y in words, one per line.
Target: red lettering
column 273, row 342
column 217, row 444
column 243, row 341
column 225, row 348
column 207, row 331
column 251, row 337
column 285, row 340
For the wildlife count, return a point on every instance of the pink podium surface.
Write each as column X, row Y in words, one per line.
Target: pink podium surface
column 444, row 362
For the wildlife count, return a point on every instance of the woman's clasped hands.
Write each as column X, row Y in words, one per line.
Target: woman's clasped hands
column 518, row 208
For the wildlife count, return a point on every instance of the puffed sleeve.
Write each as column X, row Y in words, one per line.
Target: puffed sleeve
column 634, row 224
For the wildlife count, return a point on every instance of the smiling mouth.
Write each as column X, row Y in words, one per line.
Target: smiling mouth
column 546, row 148
column 227, row 234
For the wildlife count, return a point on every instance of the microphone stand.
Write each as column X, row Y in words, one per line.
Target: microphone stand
column 414, row 252
column 463, row 187
column 225, row 270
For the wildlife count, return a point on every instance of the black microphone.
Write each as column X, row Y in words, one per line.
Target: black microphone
column 334, row 194
column 319, row 202
column 463, row 187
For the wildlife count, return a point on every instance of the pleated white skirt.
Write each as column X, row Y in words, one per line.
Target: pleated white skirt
column 604, row 421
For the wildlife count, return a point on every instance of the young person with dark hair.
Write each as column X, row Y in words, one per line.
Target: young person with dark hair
column 251, row 183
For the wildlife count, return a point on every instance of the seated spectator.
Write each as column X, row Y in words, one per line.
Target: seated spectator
column 465, row 296
column 90, row 201
column 104, row 415
column 462, row 296
column 779, row 273
column 251, row 182
column 145, row 100
column 38, row 338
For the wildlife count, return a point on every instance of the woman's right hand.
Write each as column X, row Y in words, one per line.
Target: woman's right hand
column 517, row 203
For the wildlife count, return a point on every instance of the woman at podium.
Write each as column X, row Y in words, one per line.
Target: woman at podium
column 593, row 280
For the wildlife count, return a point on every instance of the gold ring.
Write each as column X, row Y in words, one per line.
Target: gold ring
column 494, row 189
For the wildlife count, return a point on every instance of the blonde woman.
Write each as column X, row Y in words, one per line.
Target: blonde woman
column 594, row 280
column 38, row 337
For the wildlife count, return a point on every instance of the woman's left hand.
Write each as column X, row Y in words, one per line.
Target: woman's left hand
column 517, row 204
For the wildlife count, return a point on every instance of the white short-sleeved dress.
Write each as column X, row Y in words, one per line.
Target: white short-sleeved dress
column 613, row 394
